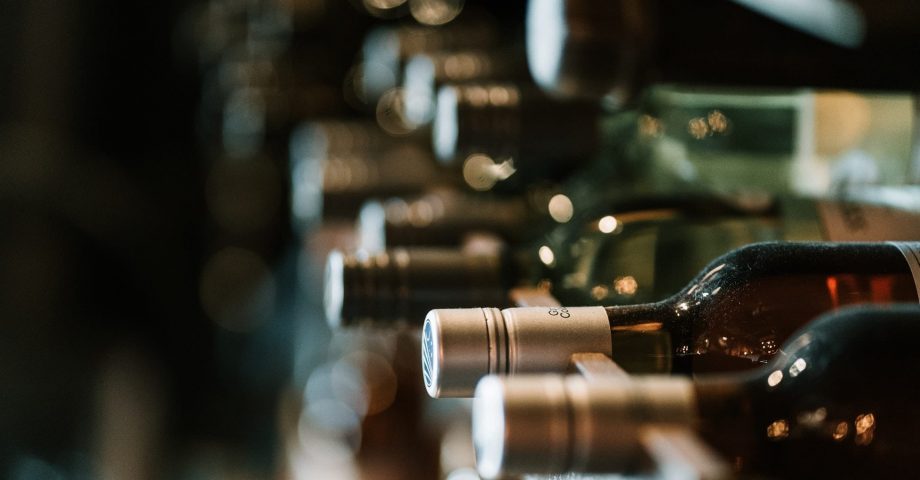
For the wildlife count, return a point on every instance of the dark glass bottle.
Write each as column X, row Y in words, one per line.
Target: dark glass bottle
column 632, row 251
column 733, row 315
column 446, row 217
column 387, row 48
column 337, row 165
column 511, row 133
column 602, row 47
column 837, row 401
column 401, row 284
column 426, row 73
column 680, row 137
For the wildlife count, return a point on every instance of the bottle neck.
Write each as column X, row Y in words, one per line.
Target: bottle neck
column 741, row 307
column 642, row 337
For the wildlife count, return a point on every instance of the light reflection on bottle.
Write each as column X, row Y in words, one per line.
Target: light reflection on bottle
column 547, row 256
column 778, row 430
column 435, row 12
column 865, row 428
column 608, row 224
column 797, row 367
column 841, row 430
column 561, row 208
column 626, row 285
column 481, row 172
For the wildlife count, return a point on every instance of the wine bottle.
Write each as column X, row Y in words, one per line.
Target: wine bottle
column 598, row 47
column 633, row 251
column 837, row 401
column 733, row 315
column 400, row 285
column 426, row 73
column 387, row 48
column 685, row 138
column 445, row 217
column 493, row 130
column 414, row 279
column 620, row 256
column 336, row 166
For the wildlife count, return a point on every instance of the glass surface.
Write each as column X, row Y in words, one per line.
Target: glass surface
column 738, row 310
column 837, row 401
column 790, row 141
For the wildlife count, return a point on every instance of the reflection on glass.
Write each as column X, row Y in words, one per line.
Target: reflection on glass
column 561, row 208
column 812, row 419
column 865, row 428
column 599, row 292
column 797, row 367
column 607, row 224
column 547, row 256
column 481, row 172
column 777, row 430
column 840, row 431
column 435, row 12
column 774, row 378
column 626, row 285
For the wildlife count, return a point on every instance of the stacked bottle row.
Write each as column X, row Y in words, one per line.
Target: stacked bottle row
column 694, row 234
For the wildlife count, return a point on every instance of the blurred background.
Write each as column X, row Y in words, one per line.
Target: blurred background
column 158, row 319
column 173, row 176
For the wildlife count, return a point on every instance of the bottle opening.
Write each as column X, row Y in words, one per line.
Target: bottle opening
column 427, row 354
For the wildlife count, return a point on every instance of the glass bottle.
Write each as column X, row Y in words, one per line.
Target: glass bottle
column 681, row 138
column 617, row 255
column 733, row 315
column 401, row 284
column 337, row 165
column 617, row 48
column 837, row 401
column 446, row 217
column 511, row 134
column 387, row 48
column 637, row 251
column 427, row 72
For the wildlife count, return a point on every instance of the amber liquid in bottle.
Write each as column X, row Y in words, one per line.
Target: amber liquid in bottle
column 738, row 311
column 839, row 401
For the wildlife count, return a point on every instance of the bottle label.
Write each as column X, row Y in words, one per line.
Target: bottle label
column 857, row 222
column 911, row 251
column 542, row 339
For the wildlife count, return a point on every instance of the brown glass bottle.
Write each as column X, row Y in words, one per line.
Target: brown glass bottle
column 743, row 305
column 733, row 315
column 838, row 401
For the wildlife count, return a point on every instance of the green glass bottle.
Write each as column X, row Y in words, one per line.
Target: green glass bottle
column 682, row 138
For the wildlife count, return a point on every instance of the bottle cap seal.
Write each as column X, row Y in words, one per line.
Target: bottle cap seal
column 460, row 346
column 545, row 424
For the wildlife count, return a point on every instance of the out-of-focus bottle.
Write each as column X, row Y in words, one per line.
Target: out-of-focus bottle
column 617, row 48
column 639, row 251
column 511, row 133
column 447, row 217
column 426, row 73
column 337, row 165
column 386, row 50
column 686, row 138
